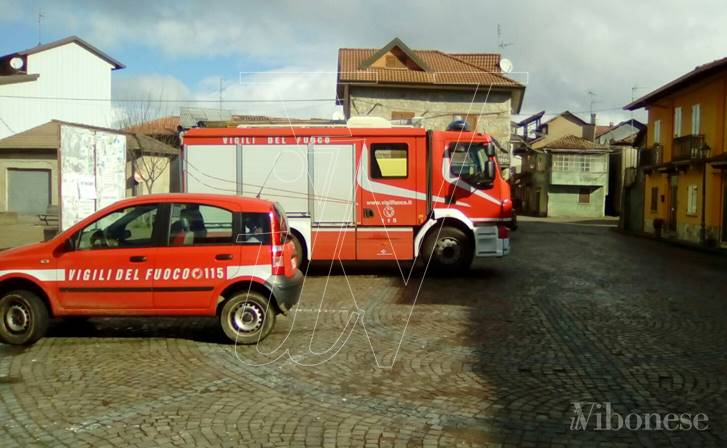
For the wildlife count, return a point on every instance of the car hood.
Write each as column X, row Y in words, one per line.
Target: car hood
column 34, row 249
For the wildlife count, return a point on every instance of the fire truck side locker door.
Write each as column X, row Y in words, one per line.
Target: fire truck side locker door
column 210, row 169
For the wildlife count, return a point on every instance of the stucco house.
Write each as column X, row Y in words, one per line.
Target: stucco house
column 567, row 177
column 68, row 79
column 398, row 83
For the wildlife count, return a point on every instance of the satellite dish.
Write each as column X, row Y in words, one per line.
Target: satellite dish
column 16, row 63
column 505, row 65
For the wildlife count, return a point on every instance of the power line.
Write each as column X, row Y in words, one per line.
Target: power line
column 132, row 100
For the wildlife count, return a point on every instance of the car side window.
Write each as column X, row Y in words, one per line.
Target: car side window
column 256, row 229
column 127, row 227
column 198, row 224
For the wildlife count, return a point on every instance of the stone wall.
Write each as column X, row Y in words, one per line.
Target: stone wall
column 437, row 107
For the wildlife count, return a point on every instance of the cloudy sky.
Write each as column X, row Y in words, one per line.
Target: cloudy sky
column 187, row 52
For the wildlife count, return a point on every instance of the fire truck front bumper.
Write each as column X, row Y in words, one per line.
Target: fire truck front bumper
column 286, row 290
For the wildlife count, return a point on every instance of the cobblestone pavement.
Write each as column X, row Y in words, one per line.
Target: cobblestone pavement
column 496, row 357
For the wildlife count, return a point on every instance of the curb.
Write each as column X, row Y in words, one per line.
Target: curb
column 676, row 243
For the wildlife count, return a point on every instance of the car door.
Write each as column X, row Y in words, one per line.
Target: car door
column 108, row 264
column 198, row 250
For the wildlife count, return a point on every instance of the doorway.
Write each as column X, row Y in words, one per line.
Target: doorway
column 671, row 224
column 724, row 209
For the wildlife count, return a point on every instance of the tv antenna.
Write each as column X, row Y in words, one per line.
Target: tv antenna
column 40, row 18
column 593, row 101
column 500, row 42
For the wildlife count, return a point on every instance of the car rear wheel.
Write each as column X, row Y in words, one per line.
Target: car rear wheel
column 247, row 318
column 449, row 250
column 23, row 317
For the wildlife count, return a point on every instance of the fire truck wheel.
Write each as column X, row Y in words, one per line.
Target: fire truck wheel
column 23, row 317
column 300, row 259
column 247, row 318
column 449, row 250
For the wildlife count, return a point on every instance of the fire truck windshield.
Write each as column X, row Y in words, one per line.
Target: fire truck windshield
column 468, row 161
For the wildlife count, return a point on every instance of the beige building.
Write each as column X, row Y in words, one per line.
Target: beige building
column 29, row 166
column 398, row 83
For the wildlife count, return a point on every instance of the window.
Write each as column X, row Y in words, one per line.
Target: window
column 392, row 61
column 196, row 224
column 389, row 161
column 128, row 227
column 468, row 160
column 654, row 199
column 696, row 119
column 677, row 122
column 395, row 115
column 692, row 200
column 657, row 131
column 256, row 229
column 573, row 162
column 584, row 196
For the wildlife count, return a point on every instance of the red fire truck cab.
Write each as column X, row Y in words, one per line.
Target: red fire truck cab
column 364, row 193
column 157, row 255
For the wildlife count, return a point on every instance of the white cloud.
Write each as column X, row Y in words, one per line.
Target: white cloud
column 285, row 92
column 567, row 47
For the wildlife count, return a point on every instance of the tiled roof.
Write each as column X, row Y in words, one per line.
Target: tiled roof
column 487, row 61
column 159, row 126
column 600, row 130
column 573, row 142
column 444, row 69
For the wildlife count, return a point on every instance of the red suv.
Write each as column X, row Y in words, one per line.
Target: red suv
column 158, row 255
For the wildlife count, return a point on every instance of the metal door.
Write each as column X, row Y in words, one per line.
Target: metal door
column 28, row 191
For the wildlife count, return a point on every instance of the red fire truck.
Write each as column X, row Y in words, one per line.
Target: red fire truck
column 364, row 193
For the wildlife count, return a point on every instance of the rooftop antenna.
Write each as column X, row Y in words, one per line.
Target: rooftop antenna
column 633, row 98
column 500, row 42
column 40, row 17
column 593, row 95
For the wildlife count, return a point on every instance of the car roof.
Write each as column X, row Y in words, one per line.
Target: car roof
column 237, row 203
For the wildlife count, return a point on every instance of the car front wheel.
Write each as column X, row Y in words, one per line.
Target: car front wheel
column 247, row 318
column 23, row 317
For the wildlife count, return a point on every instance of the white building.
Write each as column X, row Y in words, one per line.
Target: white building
column 68, row 80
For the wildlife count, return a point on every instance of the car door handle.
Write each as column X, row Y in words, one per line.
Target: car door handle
column 137, row 258
column 223, row 257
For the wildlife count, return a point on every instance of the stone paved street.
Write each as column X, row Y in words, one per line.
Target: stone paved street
column 577, row 313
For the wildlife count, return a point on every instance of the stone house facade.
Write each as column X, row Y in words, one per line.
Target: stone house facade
column 430, row 87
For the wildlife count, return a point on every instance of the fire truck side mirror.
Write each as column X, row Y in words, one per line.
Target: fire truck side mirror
column 490, row 170
column 490, row 150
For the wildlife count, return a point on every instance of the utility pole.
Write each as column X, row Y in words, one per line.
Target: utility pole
column 220, row 98
column 40, row 17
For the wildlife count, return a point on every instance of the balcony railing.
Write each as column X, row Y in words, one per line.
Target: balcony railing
column 690, row 147
column 651, row 156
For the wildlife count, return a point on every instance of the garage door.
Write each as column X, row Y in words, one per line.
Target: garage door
column 28, row 191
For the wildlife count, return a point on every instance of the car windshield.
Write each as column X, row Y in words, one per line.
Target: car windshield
column 468, row 160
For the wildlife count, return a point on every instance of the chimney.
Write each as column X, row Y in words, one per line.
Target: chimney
column 593, row 118
column 589, row 131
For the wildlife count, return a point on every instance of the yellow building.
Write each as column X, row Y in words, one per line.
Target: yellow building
column 684, row 162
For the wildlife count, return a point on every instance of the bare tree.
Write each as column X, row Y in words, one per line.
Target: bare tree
column 147, row 147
